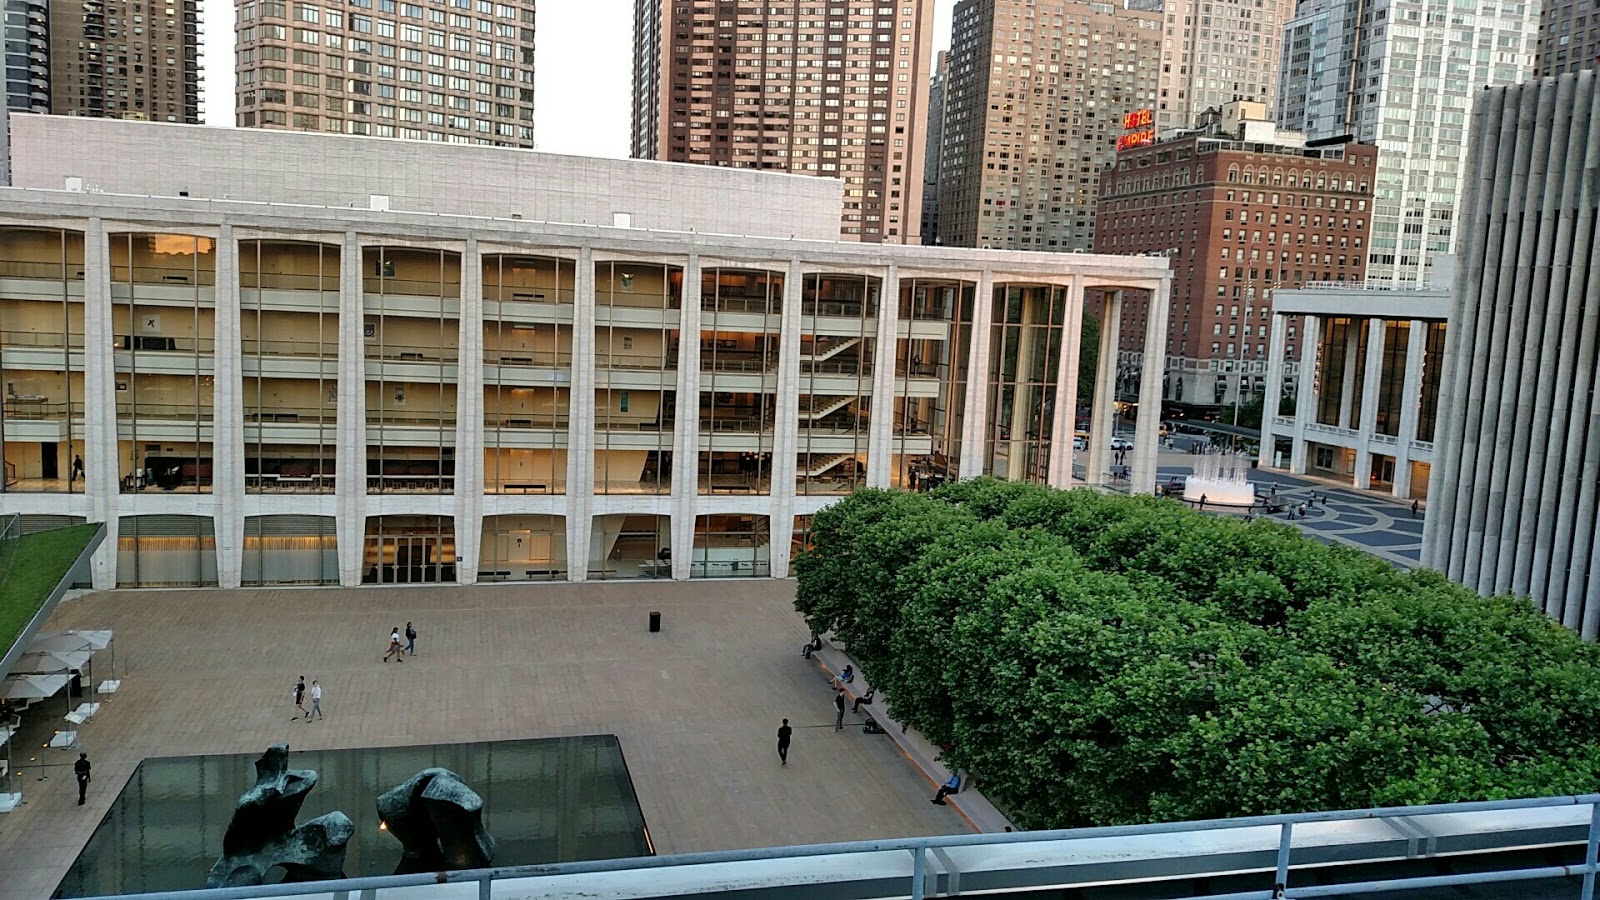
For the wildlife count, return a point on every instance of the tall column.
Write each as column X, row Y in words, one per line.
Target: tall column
column 469, row 417
column 686, row 427
column 1347, row 390
column 1368, row 423
column 785, row 439
column 1062, row 427
column 1410, row 399
column 1269, row 403
column 227, row 411
column 1026, row 399
column 975, row 410
column 350, row 481
column 580, row 418
column 880, row 440
column 1305, row 398
column 102, row 461
column 1097, row 470
column 1147, row 428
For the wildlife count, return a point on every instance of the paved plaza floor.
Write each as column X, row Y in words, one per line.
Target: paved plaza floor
column 1366, row 520
column 696, row 707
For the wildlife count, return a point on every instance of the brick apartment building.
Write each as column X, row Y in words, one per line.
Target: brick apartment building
column 1241, row 209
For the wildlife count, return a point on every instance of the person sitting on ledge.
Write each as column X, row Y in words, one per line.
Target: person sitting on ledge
column 864, row 698
column 811, row 646
column 848, row 675
column 949, row 787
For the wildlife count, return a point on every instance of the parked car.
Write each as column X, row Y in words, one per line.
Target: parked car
column 1121, row 442
column 1080, row 442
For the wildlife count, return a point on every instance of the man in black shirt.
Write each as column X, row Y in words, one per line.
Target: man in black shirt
column 81, row 767
column 784, row 734
column 300, row 696
column 838, row 704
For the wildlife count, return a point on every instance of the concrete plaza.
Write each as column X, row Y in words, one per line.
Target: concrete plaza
column 696, row 706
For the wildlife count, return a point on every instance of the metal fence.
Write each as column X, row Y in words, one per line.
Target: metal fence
column 931, row 866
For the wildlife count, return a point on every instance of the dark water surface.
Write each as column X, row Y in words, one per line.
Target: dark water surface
column 548, row 800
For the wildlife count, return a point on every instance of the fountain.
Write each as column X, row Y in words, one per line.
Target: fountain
column 1222, row 478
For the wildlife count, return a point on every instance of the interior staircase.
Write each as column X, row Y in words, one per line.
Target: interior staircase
column 813, row 408
column 816, row 464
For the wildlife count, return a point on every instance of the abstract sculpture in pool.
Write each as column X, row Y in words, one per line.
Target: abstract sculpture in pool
column 263, row 834
column 439, row 822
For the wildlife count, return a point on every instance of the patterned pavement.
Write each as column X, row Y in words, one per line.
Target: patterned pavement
column 1372, row 522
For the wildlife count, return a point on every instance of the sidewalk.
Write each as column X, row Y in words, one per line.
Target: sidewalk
column 918, row 750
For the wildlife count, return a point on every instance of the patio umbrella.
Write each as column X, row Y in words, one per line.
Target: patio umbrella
column 50, row 662
column 91, row 641
column 33, row 687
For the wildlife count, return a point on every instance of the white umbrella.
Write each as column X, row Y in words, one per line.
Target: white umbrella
column 33, row 687
column 52, row 661
column 71, row 640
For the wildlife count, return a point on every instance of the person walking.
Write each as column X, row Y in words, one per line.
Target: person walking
column 1414, row 504
column 838, row 705
column 77, row 470
column 81, row 769
column 300, row 695
column 316, row 702
column 784, row 735
column 1202, row 501
column 396, row 650
column 411, row 640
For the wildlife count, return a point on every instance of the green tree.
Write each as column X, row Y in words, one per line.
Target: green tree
column 1099, row 659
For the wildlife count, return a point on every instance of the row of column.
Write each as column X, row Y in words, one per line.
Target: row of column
column 350, row 503
column 1308, row 394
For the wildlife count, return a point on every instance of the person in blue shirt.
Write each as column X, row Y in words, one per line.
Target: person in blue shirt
column 848, row 675
column 949, row 787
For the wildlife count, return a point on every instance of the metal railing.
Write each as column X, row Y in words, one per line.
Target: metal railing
column 1037, row 843
column 44, row 339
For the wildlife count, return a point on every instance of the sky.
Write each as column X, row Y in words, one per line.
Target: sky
column 584, row 65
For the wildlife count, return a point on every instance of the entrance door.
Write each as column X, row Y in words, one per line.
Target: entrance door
column 1383, row 469
column 416, row 559
column 48, row 464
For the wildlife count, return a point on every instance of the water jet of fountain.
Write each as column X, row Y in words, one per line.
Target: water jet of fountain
column 1222, row 477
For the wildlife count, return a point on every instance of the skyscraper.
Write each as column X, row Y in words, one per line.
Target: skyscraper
column 460, row 72
column 930, row 161
column 812, row 88
column 126, row 59
column 1033, row 107
column 1214, row 52
column 1569, row 37
column 25, row 41
column 1401, row 74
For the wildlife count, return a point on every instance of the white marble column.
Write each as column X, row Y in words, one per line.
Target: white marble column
column 1410, row 397
column 786, row 426
column 469, row 478
column 1276, row 357
column 1062, row 426
column 102, row 459
column 1368, row 422
column 1102, row 416
column 227, row 412
column 1148, row 424
column 975, row 411
column 1305, row 399
column 880, row 440
column 580, row 417
column 686, row 428
column 350, row 480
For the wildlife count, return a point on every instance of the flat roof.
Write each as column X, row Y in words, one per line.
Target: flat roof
column 1361, row 300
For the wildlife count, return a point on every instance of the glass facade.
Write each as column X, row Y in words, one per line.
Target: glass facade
column 1024, row 361
column 41, row 360
column 372, row 329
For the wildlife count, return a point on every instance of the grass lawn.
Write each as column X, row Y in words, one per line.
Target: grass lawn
column 38, row 561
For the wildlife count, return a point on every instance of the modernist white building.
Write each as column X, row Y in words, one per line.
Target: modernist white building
column 1402, row 74
column 1515, row 489
column 1366, row 407
column 426, row 376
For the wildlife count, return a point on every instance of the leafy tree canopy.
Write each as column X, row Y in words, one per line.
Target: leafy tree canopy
column 1102, row 660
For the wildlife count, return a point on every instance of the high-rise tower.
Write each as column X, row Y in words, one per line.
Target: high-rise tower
column 811, row 88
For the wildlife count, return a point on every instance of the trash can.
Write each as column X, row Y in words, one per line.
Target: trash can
column 655, row 622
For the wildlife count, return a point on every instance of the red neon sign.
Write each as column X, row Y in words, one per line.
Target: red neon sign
column 1136, row 139
column 1139, row 118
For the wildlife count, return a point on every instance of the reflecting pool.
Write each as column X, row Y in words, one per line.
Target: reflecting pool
column 548, row 800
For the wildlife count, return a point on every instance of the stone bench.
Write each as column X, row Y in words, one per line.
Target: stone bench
column 972, row 805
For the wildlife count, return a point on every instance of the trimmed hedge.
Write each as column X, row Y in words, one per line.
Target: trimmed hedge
column 1103, row 660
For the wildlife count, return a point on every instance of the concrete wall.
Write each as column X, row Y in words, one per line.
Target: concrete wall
column 334, row 170
column 1513, row 505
